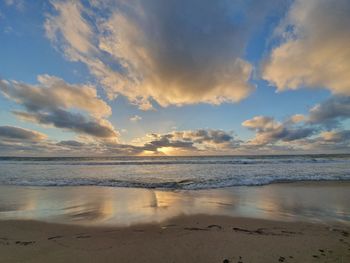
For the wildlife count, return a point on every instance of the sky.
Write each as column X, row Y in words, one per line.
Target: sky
column 175, row 77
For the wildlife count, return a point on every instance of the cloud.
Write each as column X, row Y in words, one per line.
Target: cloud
column 76, row 122
column 18, row 4
column 330, row 112
column 205, row 136
column 296, row 118
column 175, row 52
column 194, row 141
column 10, row 133
column 335, row 141
column 52, row 93
column 322, row 126
column 315, row 48
column 336, row 136
column 135, row 118
column 55, row 102
column 70, row 143
column 18, row 141
column 270, row 131
column 165, row 141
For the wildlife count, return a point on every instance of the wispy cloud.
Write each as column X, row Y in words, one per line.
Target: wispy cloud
column 135, row 118
column 18, row 4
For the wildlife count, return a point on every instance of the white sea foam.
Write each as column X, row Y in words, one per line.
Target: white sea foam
column 173, row 172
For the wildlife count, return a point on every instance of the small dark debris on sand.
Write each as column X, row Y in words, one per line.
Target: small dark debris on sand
column 259, row 231
column 85, row 236
column 281, row 259
column 214, row 226
column 291, row 232
column 24, row 243
column 226, row 261
column 195, row 229
column 54, row 237
column 237, row 229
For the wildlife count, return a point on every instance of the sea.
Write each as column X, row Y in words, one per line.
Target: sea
column 173, row 173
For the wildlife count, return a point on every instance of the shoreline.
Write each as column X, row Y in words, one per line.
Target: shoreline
column 277, row 182
column 196, row 238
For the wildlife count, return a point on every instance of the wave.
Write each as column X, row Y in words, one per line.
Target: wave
column 224, row 160
column 175, row 185
column 173, row 173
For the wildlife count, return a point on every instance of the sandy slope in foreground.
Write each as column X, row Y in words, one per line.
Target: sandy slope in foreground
column 184, row 239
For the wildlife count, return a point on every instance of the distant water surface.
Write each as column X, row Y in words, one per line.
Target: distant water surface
column 189, row 173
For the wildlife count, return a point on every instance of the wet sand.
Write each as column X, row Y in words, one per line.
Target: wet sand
column 294, row 222
column 91, row 205
column 199, row 238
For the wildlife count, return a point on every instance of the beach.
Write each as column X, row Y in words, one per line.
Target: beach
column 285, row 222
column 175, row 209
column 199, row 238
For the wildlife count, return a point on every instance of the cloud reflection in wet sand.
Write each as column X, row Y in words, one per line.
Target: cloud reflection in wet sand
column 125, row 206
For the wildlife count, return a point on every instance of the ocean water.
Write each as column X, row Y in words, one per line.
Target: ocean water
column 173, row 172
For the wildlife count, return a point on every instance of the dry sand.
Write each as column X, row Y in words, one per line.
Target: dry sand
column 199, row 238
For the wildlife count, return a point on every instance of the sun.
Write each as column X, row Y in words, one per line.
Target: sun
column 167, row 150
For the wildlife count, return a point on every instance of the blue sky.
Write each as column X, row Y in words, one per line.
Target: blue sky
column 205, row 68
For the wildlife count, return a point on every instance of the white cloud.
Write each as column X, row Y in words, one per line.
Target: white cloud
column 315, row 49
column 176, row 52
column 135, row 118
column 70, row 25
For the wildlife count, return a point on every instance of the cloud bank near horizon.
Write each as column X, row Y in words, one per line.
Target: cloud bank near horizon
column 320, row 131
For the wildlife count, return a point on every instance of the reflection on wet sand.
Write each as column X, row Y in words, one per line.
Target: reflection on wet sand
column 124, row 206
